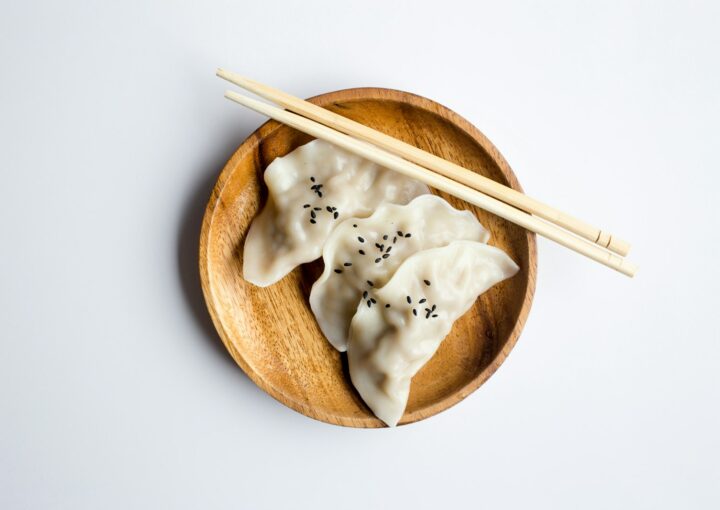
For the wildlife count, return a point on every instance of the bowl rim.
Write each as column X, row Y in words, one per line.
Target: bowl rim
column 251, row 143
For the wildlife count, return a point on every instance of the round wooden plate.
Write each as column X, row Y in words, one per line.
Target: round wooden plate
column 271, row 332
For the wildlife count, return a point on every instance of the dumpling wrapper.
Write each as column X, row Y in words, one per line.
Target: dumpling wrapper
column 388, row 345
column 311, row 190
column 374, row 247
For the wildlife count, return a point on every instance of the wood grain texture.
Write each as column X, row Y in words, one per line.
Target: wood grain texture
column 271, row 332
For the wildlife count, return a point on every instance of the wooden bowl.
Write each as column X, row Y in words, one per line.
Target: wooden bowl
column 271, row 332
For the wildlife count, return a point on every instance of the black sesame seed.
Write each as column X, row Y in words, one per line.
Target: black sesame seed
column 414, row 312
column 399, row 233
column 386, row 255
column 373, row 300
column 378, row 245
column 369, row 304
column 409, row 300
column 427, row 282
column 387, row 305
column 312, row 214
column 361, row 252
column 369, row 282
column 335, row 215
column 319, row 186
column 354, row 225
column 434, row 307
column 313, row 221
column 319, row 194
column 422, row 300
column 338, row 271
column 388, row 250
column 377, row 260
column 317, row 208
column 385, row 237
column 306, row 206
column 434, row 315
column 312, row 179
column 361, row 239
column 347, row 264
column 394, row 240
column 365, row 295
column 329, row 209
column 408, row 235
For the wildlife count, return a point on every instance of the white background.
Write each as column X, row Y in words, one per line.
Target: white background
column 116, row 393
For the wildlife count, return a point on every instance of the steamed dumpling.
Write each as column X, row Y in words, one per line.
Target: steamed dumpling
column 362, row 254
column 392, row 338
column 311, row 190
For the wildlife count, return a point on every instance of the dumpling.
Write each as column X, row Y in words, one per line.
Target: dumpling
column 311, row 190
column 362, row 254
column 392, row 338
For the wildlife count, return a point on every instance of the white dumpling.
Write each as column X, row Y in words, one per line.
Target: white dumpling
column 390, row 340
column 310, row 191
column 362, row 254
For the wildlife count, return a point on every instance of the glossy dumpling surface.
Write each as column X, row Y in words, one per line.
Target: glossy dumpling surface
column 393, row 338
column 310, row 191
column 362, row 254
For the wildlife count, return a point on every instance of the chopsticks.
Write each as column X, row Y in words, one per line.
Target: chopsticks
column 441, row 182
column 431, row 161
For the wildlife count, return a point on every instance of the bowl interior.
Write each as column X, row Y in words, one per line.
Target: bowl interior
column 271, row 332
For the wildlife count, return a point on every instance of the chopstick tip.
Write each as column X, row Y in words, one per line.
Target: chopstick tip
column 630, row 269
column 232, row 77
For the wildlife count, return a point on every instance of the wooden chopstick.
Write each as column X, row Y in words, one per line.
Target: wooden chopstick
column 414, row 171
column 431, row 161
